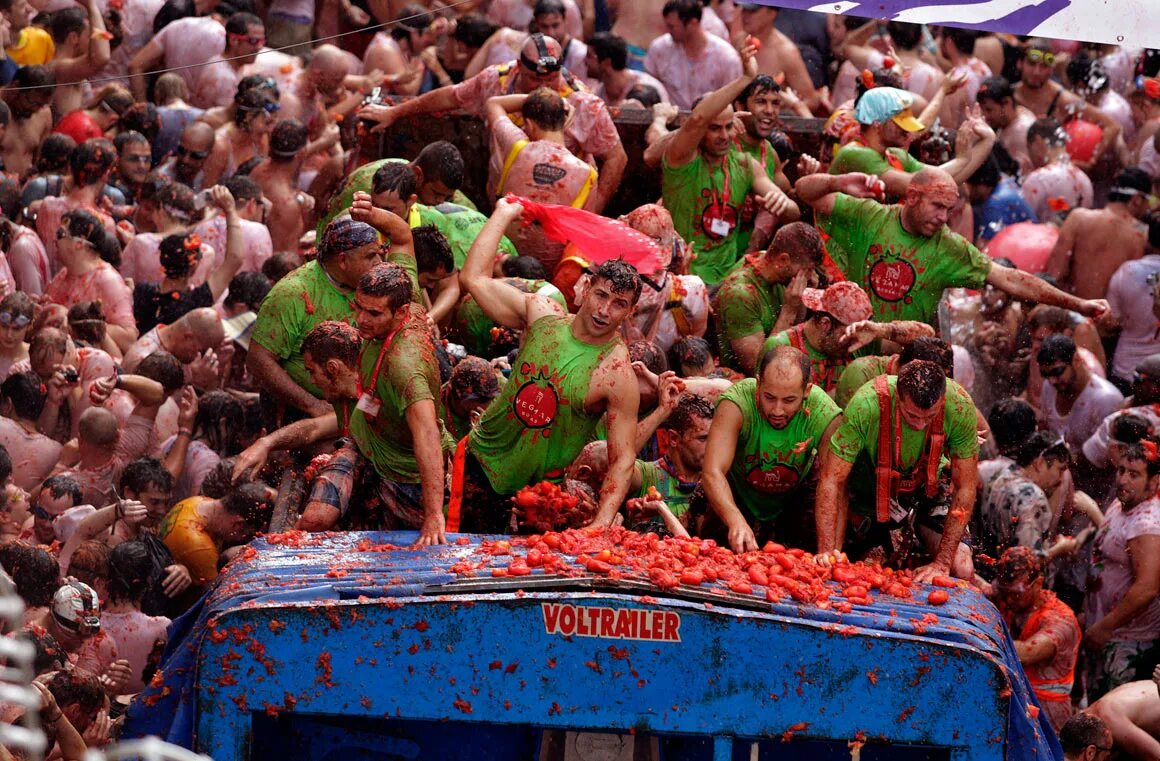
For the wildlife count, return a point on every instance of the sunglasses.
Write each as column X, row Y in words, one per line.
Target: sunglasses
column 1054, row 372
column 1040, row 56
column 138, row 159
column 255, row 41
column 9, row 320
column 195, row 155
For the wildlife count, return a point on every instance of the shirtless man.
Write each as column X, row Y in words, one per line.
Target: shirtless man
column 777, row 54
column 1044, row 97
column 31, row 117
column 996, row 100
column 82, row 50
column 278, row 177
column 216, row 83
column 638, row 23
column 1132, row 713
column 1093, row 243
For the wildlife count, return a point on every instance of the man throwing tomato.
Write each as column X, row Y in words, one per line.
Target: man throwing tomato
column 766, row 436
column 901, row 505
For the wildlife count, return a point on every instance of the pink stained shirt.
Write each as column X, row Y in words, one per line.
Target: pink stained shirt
column 92, row 364
column 589, row 130
column 686, row 78
column 1055, row 185
column 102, row 283
column 28, row 260
column 1112, row 566
column 148, row 343
column 517, row 14
column 98, row 484
column 141, row 262
column 48, row 218
column 214, row 84
column 257, row 244
column 542, row 171
column 137, row 637
column 34, row 455
column 189, row 42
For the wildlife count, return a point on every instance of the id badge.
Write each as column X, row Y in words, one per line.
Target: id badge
column 720, row 227
column 369, row 405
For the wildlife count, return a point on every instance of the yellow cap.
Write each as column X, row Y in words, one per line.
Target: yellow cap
column 906, row 120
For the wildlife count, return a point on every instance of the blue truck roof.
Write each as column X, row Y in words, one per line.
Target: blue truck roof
column 359, row 624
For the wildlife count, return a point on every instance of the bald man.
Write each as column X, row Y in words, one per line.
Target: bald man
column 905, row 256
column 589, row 129
column 192, row 339
column 188, row 162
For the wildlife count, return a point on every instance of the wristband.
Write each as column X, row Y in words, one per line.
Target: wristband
column 185, row 432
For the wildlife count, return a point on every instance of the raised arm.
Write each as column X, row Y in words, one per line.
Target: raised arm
column 220, row 278
column 503, row 304
column 821, row 190
column 297, row 435
column 973, row 145
column 683, row 147
column 95, row 58
column 441, row 99
column 500, row 106
column 397, row 230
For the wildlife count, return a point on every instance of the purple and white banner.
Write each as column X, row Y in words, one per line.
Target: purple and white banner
column 1134, row 23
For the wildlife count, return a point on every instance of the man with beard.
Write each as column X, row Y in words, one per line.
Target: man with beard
column 1074, row 400
column 188, row 163
column 701, row 162
column 766, row 436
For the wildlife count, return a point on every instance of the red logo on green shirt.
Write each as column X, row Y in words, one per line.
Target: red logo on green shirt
column 891, row 280
column 535, row 406
column 776, row 480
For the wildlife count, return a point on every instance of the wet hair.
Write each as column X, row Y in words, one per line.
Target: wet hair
column 529, row 267
column 930, row 349
column 922, row 382
column 441, row 161
column 163, row 367
column 125, row 139
column 34, row 76
column 250, row 502
column 217, row 416
column 650, row 354
column 66, row 21
column 1054, row 318
column 432, row 251
column 145, row 472
column 85, row 225
column 881, row 77
column 130, row 571
column 686, row 10
column 280, row 265
column 48, row 654
column 801, row 241
column 473, row 29
column 92, row 160
column 260, row 82
column 34, row 572
column 77, row 688
column 287, row 140
column 1046, row 444
column 249, row 102
column 621, row 276
column 109, row 249
column 61, row 485
column 142, row 117
column 172, row 11
column 1011, row 422
column 26, row 392
column 761, row 83
column 963, row 39
column 55, row 151
column 547, row 8
column 220, row 480
column 395, row 177
column 646, row 95
column 1143, row 451
column 18, row 304
column 1129, row 179
column 610, row 47
column 1128, row 429
column 1079, row 732
column 178, row 254
column 243, row 188
column 333, row 340
column 151, row 188
column 240, row 23
column 345, row 234
column 785, row 357
column 690, row 408
column 91, row 558
column 1086, row 74
column 1148, row 64
column 546, row 108
column 1049, row 130
column 248, row 288
column 390, row 281
column 906, row 36
column 690, row 351
column 1056, row 348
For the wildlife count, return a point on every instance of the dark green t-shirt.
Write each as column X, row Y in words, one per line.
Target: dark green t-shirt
column 745, row 304
column 855, row 157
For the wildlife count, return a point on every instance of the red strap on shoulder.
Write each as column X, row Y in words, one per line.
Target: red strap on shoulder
column 938, row 437
column 455, row 507
column 884, row 471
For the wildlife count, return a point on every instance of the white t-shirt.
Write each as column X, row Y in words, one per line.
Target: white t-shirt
column 687, row 79
column 1098, row 400
column 189, row 42
column 1130, row 296
column 1095, row 449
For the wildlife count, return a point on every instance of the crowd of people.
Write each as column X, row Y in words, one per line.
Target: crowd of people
column 922, row 335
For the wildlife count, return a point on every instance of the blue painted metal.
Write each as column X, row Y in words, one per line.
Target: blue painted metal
column 393, row 643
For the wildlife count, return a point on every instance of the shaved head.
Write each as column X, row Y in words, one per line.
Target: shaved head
column 532, row 51
column 933, row 180
column 328, row 58
column 98, row 427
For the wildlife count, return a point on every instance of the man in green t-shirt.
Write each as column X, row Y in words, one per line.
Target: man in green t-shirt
column 838, row 329
column 762, row 295
column 865, row 369
column 705, row 180
column 315, row 292
column 905, row 255
column 901, row 489
column 761, row 100
column 888, row 126
column 570, row 371
column 764, row 441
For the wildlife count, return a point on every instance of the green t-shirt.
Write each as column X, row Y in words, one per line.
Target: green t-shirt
column 824, row 369
column 856, row 440
column 745, row 304
column 858, row 373
column 538, row 424
column 855, row 157
column 904, row 274
column 472, row 327
column 705, row 212
column 654, row 474
column 766, row 156
column 292, row 308
column 408, row 373
column 769, row 463
column 461, row 226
